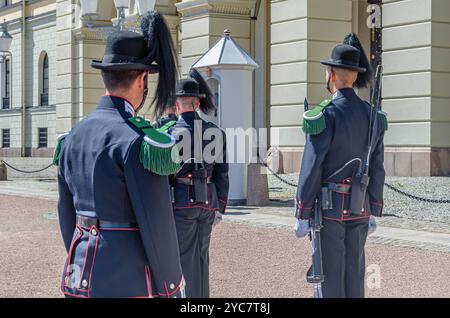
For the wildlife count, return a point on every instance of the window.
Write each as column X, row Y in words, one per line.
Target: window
column 43, row 137
column 5, row 3
column 6, row 104
column 6, row 141
column 45, row 83
column 214, row 86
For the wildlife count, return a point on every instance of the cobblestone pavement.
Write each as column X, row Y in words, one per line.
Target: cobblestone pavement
column 246, row 261
column 280, row 212
column 399, row 211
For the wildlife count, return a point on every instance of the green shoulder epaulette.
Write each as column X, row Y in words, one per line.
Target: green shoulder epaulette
column 156, row 149
column 59, row 142
column 167, row 126
column 384, row 119
column 313, row 120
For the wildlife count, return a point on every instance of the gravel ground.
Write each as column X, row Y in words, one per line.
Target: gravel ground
column 396, row 204
column 246, row 261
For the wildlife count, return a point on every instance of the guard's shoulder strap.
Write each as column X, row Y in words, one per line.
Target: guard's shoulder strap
column 167, row 126
column 59, row 142
column 156, row 149
column 383, row 116
column 314, row 120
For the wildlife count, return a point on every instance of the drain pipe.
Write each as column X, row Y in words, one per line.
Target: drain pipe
column 22, row 53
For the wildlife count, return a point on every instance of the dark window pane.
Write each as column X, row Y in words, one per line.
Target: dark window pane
column 45, row 82
column 43, row 137
column 6, row 102
column 6, row 141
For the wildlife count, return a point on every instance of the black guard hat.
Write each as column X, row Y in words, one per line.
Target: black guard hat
column 345, row 56
column 189, row 88
column 125, row 50
column 152, row 51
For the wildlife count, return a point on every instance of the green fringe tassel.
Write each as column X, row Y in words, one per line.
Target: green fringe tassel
column 158, row 160
column 57, row 153
column 314, row 127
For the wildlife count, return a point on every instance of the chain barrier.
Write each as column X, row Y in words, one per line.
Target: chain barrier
column 389, row 186
column 25, row 171
column 277, row 176
column 411, row 196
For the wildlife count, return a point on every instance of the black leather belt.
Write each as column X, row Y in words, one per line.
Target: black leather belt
column 190, row 181
column 88, row 222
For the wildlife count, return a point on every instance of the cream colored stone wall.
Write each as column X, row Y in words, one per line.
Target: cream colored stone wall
column 39, row 38
column 416, row 92
column 203, row 23
column 303, row 33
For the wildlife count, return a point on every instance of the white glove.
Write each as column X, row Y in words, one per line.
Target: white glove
column 372, row 225
column 218, row 218
column 301, row 228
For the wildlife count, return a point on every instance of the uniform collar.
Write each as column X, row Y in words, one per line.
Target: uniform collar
column 190, row 116
column 116, row 102
column 344, row 92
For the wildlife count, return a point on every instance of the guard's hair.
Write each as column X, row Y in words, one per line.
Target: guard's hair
column 119, row 80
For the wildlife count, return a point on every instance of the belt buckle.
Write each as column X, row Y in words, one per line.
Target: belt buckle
column 88, row 222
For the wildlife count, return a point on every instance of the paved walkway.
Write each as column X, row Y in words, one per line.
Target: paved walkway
column 383, row 235
column 246, row 260
column 431, row 236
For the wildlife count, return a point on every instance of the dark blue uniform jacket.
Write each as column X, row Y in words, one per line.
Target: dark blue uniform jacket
column 345, row 138
column 216, row 166
column 100, row 176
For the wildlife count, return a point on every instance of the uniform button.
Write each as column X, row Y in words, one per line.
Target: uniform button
column 345, row 211
column 172, row 286
column 84, row 283
column 192, row 200
column 66, row 280
column 206, row 202
column 94, row 232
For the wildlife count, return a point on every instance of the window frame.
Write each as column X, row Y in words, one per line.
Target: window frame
column 45, row 77
column 7, row 80
column 41, row 135
column 4, row 143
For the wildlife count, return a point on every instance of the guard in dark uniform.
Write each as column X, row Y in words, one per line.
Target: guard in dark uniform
column 114, row 207
column 336, row 147
column 200, row 189
column 169, row 116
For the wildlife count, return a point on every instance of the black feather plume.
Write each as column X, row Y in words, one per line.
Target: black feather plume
column 161, row 51
column 207, row 104
column 364, row 79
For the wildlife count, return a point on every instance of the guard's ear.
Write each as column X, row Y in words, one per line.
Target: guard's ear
column 142, row 78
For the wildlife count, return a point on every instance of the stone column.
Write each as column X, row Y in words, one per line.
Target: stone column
column 303, row 32
column 66, row 114
column 416, row 92
column 203, row 23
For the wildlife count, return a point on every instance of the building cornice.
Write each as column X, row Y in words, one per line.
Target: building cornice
column 132, row 22
column 227, row 7
column 91, row 34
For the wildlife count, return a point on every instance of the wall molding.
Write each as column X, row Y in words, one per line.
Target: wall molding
column 225, row 7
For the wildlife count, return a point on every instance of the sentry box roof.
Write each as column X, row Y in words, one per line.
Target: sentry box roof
column 226, row 52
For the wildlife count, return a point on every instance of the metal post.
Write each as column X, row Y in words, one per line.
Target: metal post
column 121, row 19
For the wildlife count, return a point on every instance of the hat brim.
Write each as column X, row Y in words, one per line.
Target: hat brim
column 190, row 95
column 124, row 66
column 348, row 67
